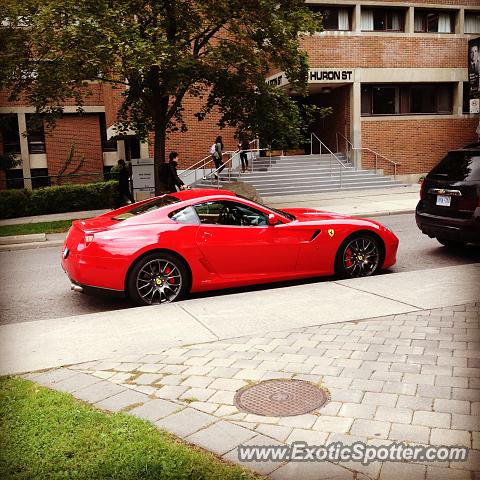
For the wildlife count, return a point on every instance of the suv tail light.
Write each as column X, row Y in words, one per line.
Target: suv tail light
column 422, row 191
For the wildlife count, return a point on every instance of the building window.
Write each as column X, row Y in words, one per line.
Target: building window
column 382, row 20
column 14, row 178
column 40, row 177
column 472, row 22
column 407, row 99
column 433, row 21
column 35, row 134
column 333, row 18
column 10, row 134
column 107, row 145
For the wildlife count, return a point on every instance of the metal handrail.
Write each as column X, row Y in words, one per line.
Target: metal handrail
column 376, row 154
column 228, row 164
column 332, row 156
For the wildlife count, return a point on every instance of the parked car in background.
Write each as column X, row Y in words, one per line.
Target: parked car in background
column 160, row 249
column 449, row 206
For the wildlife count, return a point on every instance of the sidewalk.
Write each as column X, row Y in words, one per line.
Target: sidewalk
column 409, row 377
column 364, row 203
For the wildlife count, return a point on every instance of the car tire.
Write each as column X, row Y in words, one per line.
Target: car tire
column 453, row 244
column 159, row 277
column 359, row 255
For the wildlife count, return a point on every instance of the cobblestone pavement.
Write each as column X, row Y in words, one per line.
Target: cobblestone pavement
column 411, row 377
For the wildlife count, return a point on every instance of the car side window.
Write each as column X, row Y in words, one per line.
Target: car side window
column 185, row 215
column 230, row 213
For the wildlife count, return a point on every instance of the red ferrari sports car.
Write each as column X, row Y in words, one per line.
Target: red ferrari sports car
column 159, row 249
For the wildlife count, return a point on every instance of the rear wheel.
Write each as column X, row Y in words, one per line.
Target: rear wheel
column 451, row 243
column 358, row 256
column 158, row 278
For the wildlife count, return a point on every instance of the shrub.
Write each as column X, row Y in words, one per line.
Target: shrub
column 59, row 199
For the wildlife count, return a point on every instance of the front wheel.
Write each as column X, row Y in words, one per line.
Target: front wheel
column 358, row 256
column 158, row 278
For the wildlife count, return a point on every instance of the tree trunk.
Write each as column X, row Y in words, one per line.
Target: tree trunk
column 159, row 158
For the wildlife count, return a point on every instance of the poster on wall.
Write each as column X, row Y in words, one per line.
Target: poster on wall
column 474, row 73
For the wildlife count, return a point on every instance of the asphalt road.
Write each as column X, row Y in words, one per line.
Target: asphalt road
column 35, row 287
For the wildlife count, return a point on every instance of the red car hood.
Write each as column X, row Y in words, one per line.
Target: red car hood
column 309, row 214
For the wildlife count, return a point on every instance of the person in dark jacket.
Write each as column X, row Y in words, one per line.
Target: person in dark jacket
column 124, row 181
column 244, row 146
column 217, row 155
column 172, row 179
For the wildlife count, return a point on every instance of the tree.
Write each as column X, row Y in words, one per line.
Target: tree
column 159, row 52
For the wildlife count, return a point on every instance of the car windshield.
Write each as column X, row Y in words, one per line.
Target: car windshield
column 459, row 166
column 155, row 204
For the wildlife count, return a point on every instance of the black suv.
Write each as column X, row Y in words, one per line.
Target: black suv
column 449, row 206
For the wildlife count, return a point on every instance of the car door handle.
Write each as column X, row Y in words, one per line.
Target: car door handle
column 205, row 236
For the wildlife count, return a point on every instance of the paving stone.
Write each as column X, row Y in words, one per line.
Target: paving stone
column 186, row 422
column 231, row 384
column 122, row 400
column 465, row 422
column 299, row 367
column 196, row 361
column 357, row 373
column 402, row 471
column 273, row 375
column 76, row 382
column 442, row 436
column 206, row 407
column 248, row 374
column 103, row 374
column 399, row 388
column 434, row 391
column 370, row 428
column 311, row 437
column 173, row 380
column 197, row 394
column 148, row 389
column 127, row 367
column 171, row 392
column 367, row 385
column 226, row 411
column 120, row 377
column 409, row 433
column 432, row 419
column 223, row 397
column 246, row 364
column 197, row 381
column 326, row 423
column 387, row 376
column 331, row 408
column 278, row 432
column 443, row 380
column 223, row 372
column 150, row 368
column 451, row 406
column 221, row 437
column 51, row 377
column 472, row 395
column 197, row 370
column 153, row 410
column 173, row 369
column 438, row 473
column 419, row 378
column 98, row 391
column 357, row 410
column 436, row 370
column 311, row 471
column 475, row 406
column 326, row 370
column 299, row 421
column 340, row 395
column 394, row 414
column 405, row 368
column 148, row 379
column 221, row 362
column 386, row 399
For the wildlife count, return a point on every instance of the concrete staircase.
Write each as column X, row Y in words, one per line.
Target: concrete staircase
column 303, row 174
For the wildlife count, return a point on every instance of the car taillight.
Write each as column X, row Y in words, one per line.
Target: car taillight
column 88, row 239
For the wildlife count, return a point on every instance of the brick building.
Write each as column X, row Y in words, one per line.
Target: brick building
column 395, row 74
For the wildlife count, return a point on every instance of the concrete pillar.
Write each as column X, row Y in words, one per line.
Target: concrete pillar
column 458, row 99
column 22, row 129
column 355, row 121
column 120, row 149
column 410, row 20
column 144, row 152
column 460, row 21
column 357, row 19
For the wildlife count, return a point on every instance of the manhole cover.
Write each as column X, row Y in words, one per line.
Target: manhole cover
column 281, row 398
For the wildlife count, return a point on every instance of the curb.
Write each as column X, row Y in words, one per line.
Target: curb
column 15, row 239
column 31, row 245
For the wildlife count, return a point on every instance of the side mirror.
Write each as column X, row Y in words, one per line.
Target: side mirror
column 272, row 219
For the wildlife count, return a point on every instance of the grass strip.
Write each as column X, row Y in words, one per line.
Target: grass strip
column 28, row 228
column 50, row 435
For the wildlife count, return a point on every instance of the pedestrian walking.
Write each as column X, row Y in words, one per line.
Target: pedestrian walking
column 172, row 180
column 244, row 146
column 216, row 150
column 124, row 181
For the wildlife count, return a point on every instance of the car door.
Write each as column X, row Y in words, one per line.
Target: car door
column 238, row 242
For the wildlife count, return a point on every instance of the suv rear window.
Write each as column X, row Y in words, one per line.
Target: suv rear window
column 458, row 166
column 148, row 207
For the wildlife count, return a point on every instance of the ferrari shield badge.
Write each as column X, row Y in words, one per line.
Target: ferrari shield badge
column 331, row 232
